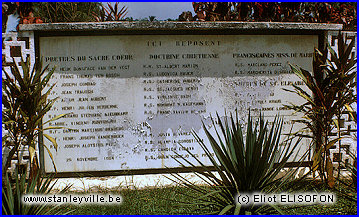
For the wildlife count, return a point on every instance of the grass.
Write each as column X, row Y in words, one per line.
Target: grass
column 165, row 200
column 343, row 206
column 149, row 201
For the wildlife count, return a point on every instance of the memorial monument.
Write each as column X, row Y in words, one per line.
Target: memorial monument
column 134, row 91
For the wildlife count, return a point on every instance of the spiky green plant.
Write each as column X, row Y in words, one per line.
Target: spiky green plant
column 330, row 90
column 242, row 164
column 12, row 194
column 110, row 13
column 25, row 102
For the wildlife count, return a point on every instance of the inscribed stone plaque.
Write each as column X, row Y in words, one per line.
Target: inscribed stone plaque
column 131, row 99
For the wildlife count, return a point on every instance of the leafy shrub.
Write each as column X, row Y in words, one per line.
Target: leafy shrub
column 311, row 12
column 25, row 102
column 331, row 91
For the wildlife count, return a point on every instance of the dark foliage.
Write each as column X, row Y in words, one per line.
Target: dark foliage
column 312, row 12
column 55, row 12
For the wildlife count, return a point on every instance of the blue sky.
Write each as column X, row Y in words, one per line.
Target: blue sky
column 162, row 10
